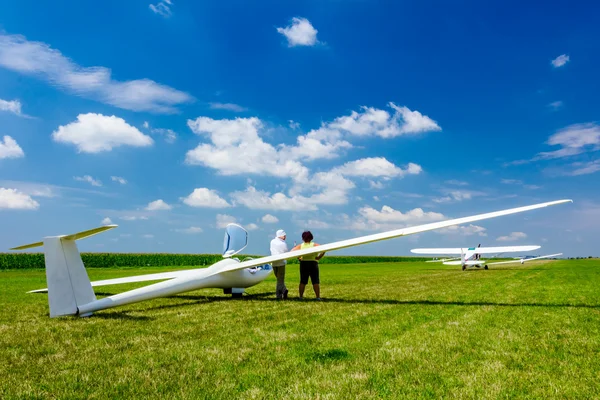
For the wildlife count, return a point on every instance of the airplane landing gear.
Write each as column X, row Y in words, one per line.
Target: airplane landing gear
column 485, row 267
column 464, row 267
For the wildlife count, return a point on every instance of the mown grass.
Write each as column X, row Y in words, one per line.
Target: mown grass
column 383, row 331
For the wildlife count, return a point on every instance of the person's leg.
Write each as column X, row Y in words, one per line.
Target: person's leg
column 284, row 290
column 278, row 274
column 303, row 279
column 316, row 281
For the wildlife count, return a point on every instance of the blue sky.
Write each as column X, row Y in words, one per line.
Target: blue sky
column 172, row 118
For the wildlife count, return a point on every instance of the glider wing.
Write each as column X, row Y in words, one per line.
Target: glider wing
column 383, row 236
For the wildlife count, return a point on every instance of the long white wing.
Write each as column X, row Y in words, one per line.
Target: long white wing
column 526, row 259
column 476, row 250
column 131, row 279
column 384, row 236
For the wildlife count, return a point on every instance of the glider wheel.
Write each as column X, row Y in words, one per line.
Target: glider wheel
column 485, row 267
column 464, row 267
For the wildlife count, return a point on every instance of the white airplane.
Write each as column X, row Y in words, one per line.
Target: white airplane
column 471, row 257
column 70, row 291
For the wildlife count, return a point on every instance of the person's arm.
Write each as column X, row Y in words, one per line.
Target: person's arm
column 296, row 248
column 320, row 255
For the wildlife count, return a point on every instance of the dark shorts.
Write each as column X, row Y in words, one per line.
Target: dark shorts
column 309, row 269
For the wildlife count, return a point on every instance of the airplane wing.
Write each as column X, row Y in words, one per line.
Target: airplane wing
column 383, row 236
column 477, row 250
column 524, row 260
column 441, row 250
column 131, row 279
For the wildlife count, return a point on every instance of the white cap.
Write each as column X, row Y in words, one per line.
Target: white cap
column 280, row 233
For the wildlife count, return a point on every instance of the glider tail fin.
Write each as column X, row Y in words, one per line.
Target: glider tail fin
column 68, row 283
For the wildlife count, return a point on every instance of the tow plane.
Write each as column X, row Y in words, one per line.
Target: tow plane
column 70, row 291
column 471, row 257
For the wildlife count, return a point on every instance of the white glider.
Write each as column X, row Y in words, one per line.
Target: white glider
column 471, row 257
column 70, row 291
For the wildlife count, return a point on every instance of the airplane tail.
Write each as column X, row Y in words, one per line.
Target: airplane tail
column 68, row 282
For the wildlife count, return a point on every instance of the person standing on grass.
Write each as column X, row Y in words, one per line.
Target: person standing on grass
column 309, row 266
column 279, row 246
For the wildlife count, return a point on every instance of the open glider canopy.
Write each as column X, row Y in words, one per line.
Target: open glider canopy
column 475, row 250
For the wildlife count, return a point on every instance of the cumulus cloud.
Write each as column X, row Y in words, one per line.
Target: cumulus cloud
column 463, row 230
column 133, row 217
column 560, row 60
column 204, row 197
column 376, row 167
column 300, row 32
column 10, row 149
column 106, row 221
column 261, row 200
column 12, row 106
column 40, row 60
column 88, row 179
column 157, row 205
column 270, row 219
column 513, row 236
column 12, row 199
column 223, row 220
column 95, row 133
column 386, row 218
column 251, row 227
column 375, row 122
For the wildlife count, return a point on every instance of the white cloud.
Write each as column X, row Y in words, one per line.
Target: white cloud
column 261, row 200
column 40, row 60
column 157, row 205
column 376, row 185
column 387, row 218
column 162, row 8
column 133, row 217
column 10, row 149
column 560, row 60
column 555, row 105
column 147, row 236
column 299, row 33
column 574, row 139
column 204, row 197
column 122, row 181
column 377, row 122
column 457, row 195
column 233, row 137
column 169, row 135
column 223, row 220
column 94, row 133
column 190, row 230
column 106, row 221
column 582, row 168
column 228, row 106
column 512, row 237
column 294, row 125
column 388, row 215
column 376, row 167
column 12, row 199
column 89, row 179
column 13, row 106
column 251, row 227
column 463, row 230
column 270, row 219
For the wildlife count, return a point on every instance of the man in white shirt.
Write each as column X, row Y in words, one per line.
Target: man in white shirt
column 279, row 246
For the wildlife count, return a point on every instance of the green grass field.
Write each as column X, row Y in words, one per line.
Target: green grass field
column 383, row 331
